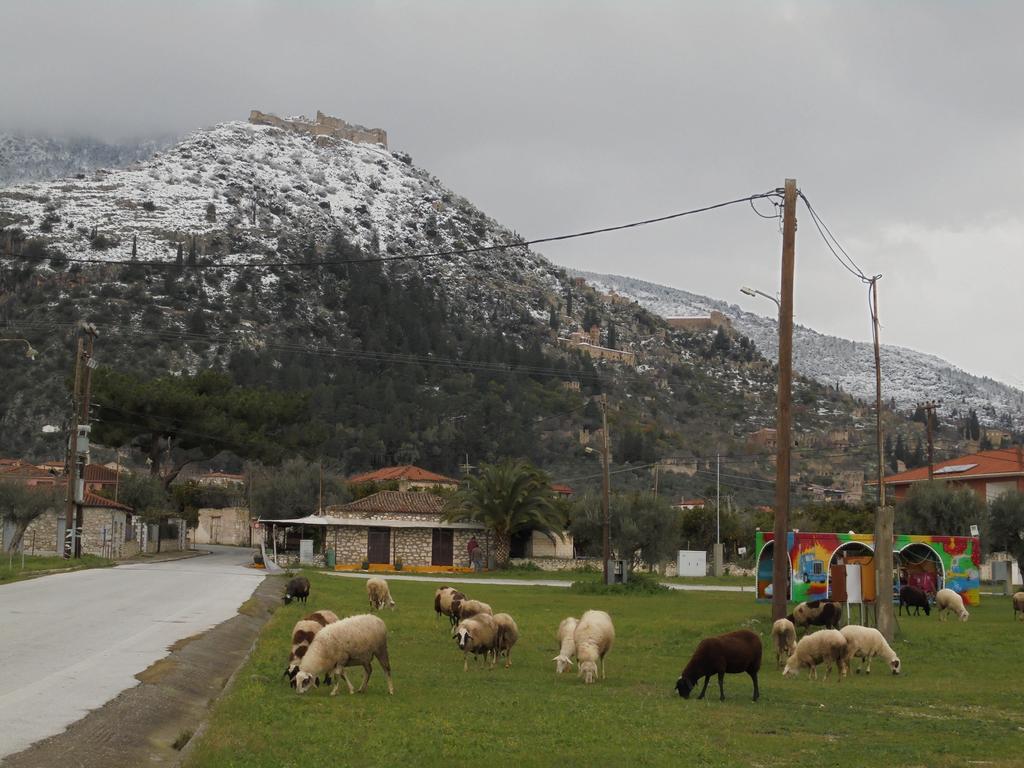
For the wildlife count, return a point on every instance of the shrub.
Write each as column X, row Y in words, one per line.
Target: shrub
column 638, row 584
column 100, row 242
column 149, row 205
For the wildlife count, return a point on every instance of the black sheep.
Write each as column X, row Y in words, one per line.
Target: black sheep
column 732, row 653
column 297, row 589
column 915, row 598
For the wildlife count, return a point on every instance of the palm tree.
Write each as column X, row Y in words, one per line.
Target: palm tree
column 508, row 497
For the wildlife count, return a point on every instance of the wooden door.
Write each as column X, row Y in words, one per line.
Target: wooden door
column 442, row 549
column 378, row 545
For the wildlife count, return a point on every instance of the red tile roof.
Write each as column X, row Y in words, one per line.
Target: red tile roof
column 97, row 473
column 398, row 502
column 91, row 499
column 562, row 490
column 1006, row 461
column 407, row 472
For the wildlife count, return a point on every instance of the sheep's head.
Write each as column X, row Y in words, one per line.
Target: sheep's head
column 927, row 608
column 287, row 598
column 562, row 663
column 290, row 671
column 894, row 665
column 588, row 671
column 684, row 687
column 463, row 637
column 964, row 615
column 792, row 668
column 303, row 681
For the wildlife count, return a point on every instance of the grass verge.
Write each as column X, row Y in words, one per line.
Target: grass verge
column 11, row 568
column 956, row 703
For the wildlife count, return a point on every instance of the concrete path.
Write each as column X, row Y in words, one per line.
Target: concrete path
column 72, row 641
column 565, row 583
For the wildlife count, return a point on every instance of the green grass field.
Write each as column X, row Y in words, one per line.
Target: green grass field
column 957, row 703
column 11, row 565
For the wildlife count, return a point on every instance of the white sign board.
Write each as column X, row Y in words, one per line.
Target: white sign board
column 854, row 593
column 306, row 551
column 692, row 562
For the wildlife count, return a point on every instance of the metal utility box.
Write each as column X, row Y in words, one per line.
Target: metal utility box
column 618, row 572
column 692, row 562
column 82, row 439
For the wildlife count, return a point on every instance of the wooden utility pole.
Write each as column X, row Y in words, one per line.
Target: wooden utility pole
column 606, row 518
column 78, row 442
column 69, row 512
column 780, row 557
column 929, row 407
column 883, row 515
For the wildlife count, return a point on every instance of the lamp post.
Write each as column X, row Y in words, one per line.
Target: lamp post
column 30, row 352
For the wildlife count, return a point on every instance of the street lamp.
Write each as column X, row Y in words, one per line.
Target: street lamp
column 30, row 352
column 780, row 569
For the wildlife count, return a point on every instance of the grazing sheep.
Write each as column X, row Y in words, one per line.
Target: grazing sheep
column 297, row 589
column 506, row 635
column 784, row 635
column 351, row 642
column 868, row 642
column 828, row 646
column 443, row 599
column 303, row 633
column 476, row 635
column 566, row 643
column 948, row 600
column 465, row 609
column 593, row 637
column 731, row 653
column 817, row 613
column 1018, row 605
column 380, row 595
column 915, row 598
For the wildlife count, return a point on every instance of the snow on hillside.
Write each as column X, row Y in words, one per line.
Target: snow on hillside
column 907, row 376
column 36, row 158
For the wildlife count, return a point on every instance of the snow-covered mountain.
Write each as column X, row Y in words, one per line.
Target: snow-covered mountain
column 908, row 376
column 40, row 158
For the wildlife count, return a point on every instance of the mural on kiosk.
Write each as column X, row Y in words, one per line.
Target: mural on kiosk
column 928, row 562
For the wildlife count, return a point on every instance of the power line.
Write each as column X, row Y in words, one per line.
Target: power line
column 845, row 260
column 415, row 256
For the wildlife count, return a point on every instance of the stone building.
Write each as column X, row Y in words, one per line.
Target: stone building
column 714, row 320
column 408, row 478
column 229, row 525
column 108, row 530
column 323, row 125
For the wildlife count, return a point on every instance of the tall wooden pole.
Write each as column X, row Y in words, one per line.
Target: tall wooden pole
column 606, row 552
column 780, row 558
column 883, row 515
column 69, row 512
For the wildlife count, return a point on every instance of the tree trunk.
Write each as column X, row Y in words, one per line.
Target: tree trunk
column 17, row 536
column 502, row 547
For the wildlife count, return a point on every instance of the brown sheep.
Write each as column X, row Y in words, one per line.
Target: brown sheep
column 732, row 653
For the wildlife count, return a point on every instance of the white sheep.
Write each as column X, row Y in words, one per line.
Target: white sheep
column 379, row 594
column 506, row 635
column 566, row 643
column 826, row 645
column 866, row 643
column 303, row 632
column 784, row 635
column 1018, row 605
column 948, row 600
column 477, row 635
column 593, row 637
column 464, row 609
column 351, row 642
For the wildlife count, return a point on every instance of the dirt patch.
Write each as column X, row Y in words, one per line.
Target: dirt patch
column 147, row 724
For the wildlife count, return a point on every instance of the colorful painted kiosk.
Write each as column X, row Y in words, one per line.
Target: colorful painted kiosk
column 835, row 566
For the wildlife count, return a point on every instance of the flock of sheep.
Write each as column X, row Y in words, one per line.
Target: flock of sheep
column 322, row 645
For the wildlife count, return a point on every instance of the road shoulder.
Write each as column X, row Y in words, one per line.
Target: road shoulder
column 150, row 723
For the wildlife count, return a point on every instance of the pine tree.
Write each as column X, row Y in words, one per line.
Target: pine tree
column 613, row 339
column 179, row 260
column 135, row 249
column 568, row 299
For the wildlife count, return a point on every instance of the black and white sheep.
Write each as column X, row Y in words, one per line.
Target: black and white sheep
column 443, row 599
column 303, row 632
column 379, row 593
column 915, row 598
column 594, row 637
column 1018, row 605
column 477, row 635
column 784, row 639
column 866, row 643
column 817, row 613
column 827, row 646
column 297, row 589
column 731, row 653
column 351, row 642
column 566, row 644
column 948, row 600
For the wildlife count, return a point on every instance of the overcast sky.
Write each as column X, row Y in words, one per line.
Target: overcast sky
column 902, row 122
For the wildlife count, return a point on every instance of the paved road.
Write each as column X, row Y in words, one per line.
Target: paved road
column 72, row 641
column 565, row 583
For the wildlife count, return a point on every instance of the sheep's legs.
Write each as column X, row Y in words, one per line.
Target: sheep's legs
column 721, row 688
column 367, row 671
column 340, row 672
column 465, row 661
column 757, row 692
column 508, row 658
column 705, row 688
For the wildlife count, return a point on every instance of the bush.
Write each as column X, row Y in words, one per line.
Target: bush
column 149, row 205
column 100, row 242
column 638, row 584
